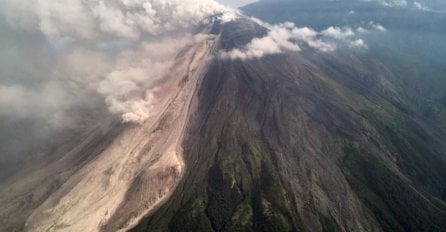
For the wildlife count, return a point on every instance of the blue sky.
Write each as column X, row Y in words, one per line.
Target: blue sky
column 236, row 3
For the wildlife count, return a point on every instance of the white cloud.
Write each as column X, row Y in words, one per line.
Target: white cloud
column 390, row 3
column 359, row 43
column 275, row 42
column 377, row 26
column 362, row 30
column 121, row 18
column 312, row 38
column 280, row 38
column 346, row 35
column 421, row 6
column 371, row 27
column 287, row 37
column 338, row 33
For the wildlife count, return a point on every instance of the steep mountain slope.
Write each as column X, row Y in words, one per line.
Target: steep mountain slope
column 305, row 142
column 114, row 174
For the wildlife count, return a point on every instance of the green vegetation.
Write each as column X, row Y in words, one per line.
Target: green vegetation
column 415, row 152
column 243, row 192
column 328, row 224
column 397, row 205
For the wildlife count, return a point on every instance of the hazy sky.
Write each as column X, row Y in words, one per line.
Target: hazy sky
column 236, row 3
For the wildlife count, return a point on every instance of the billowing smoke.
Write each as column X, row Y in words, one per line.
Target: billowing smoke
column 119, row 48
column 66, row 63
column 128, row 88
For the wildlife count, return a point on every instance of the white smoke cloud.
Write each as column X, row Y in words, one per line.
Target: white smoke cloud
column 41, row 103
column 128, row 89
column 116, row 48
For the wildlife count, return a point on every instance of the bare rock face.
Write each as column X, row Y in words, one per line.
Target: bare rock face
column 117, row 172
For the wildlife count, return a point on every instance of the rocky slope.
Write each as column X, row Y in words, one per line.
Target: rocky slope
column 116, row 173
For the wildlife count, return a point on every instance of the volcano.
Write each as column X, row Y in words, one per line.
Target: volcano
column 294, row 141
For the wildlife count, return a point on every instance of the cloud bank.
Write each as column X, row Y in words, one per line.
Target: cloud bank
column 288, row 37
